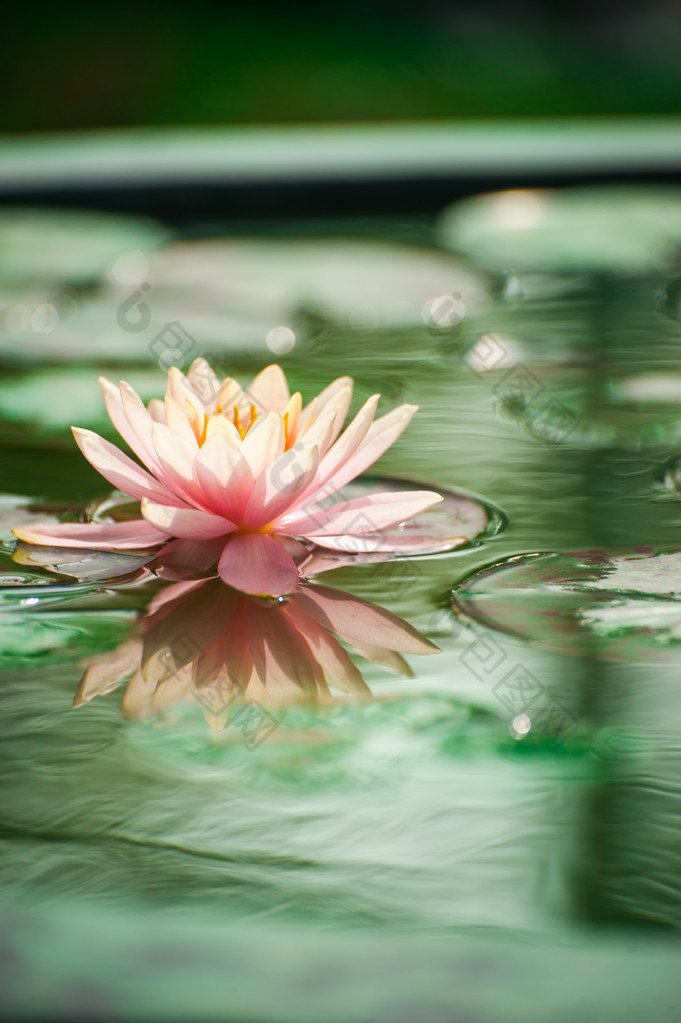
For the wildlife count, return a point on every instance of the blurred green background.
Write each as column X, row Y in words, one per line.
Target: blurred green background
column 84, row 66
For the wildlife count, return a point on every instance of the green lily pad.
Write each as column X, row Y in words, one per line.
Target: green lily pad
column 615, row 604
column 608, row 228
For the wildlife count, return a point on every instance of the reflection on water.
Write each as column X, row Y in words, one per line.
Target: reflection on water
column 444, row 807
column 238, row 655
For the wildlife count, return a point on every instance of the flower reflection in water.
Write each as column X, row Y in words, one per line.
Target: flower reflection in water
column 239, row 655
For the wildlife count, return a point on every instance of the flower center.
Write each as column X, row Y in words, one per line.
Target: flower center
column 207, row 425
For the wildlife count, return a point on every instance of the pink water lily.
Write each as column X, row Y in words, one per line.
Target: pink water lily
column 238, row 476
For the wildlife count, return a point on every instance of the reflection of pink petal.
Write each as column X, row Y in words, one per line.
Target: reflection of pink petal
column 359, row 622
column 104, row 671
column 388, row 659
column 181, row 559
column 170, row 596
column 177, row 633
column 136, row 701
column 171, row 691
column 339, row 670
column 256, row 563
column 281, row 656
column 204, row 640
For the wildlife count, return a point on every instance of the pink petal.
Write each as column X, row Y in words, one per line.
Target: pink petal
column 204, row 382
column 113, row 402
column 176, row 456
column 379, row 437
column 120, row 470
column 298, row 551
column 329, row 397
column 224, row 475
column 177, row 421
column 264, row 442
column 231, row 393
column 361, row 515
column 390, row 543
column 157, row 410
column 186, row 523
column 268, row 390
column 132, row 535
column 182, row 391
column 141, row 424
column 347, row 444
column 256, row 563
column 323, row 431
column 222, row 426
column 280, row 484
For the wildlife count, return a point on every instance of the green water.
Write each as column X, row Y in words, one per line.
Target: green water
column 412, row 856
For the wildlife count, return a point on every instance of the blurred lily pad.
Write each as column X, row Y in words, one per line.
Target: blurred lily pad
column 57, row 326
column 608, row 228
column 371, row 284
column 56, row 399
column 617, row 604
column 69, row 246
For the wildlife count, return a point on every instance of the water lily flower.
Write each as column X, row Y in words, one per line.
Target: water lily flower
column 205, row 641
column 239, row 476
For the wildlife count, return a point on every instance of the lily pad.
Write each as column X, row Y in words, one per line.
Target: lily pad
column 459, row 521
column 69, row 246
column 38, row 326
column 608, row 228
column 616, row 604
column 365, row 283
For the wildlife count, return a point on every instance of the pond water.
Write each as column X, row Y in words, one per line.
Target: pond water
column 496, row 837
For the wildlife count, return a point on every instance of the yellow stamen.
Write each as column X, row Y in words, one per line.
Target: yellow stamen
column 193, row 417
column 206, row 420
column 291, row 418
column 242, row 432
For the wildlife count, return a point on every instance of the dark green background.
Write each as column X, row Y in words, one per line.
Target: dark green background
column 75, row 66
